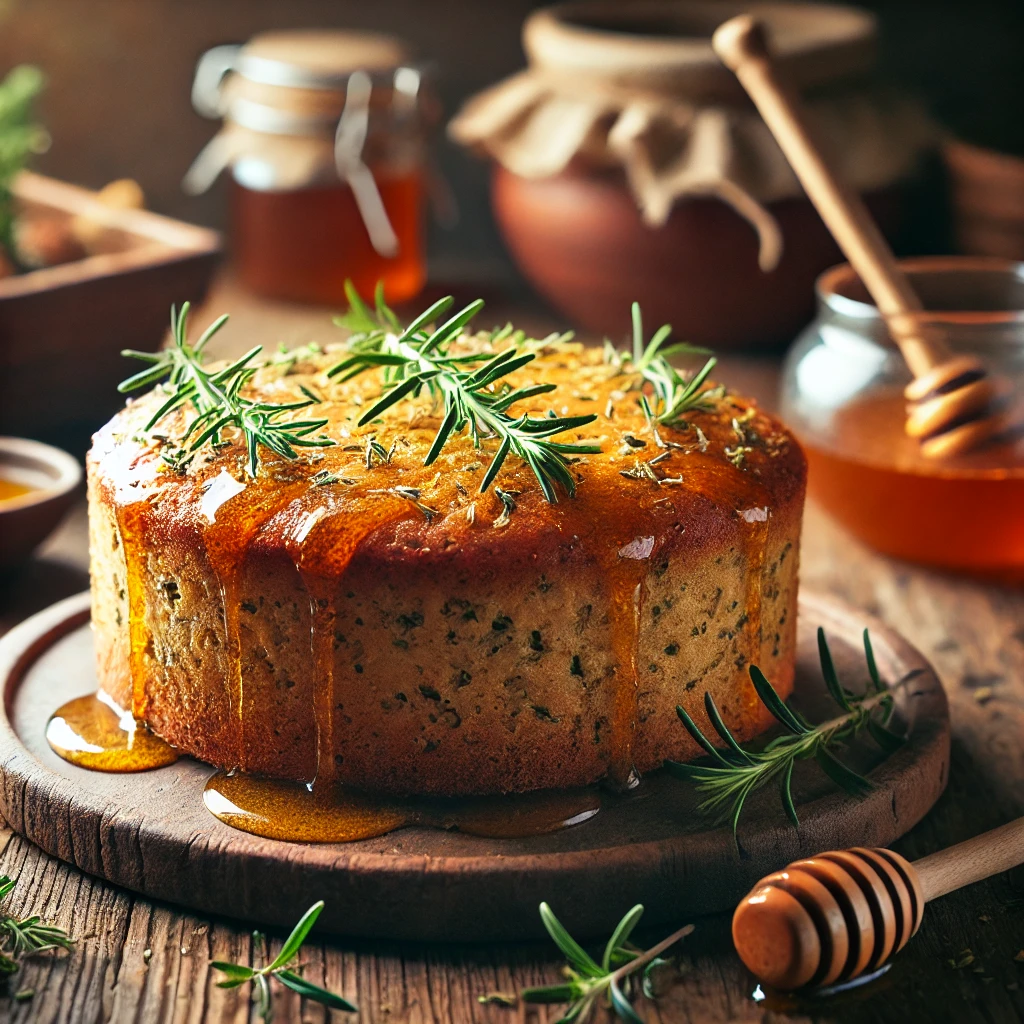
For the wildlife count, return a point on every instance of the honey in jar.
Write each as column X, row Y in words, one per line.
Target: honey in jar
column 324, row 143
column 843, row 396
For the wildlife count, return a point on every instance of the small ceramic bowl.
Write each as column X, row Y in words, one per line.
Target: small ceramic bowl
column 28, row 519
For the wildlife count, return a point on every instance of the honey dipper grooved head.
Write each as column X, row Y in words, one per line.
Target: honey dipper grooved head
column 827, row 919
column 958, row 406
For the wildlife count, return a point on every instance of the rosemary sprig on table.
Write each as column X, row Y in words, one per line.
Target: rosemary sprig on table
column 674, row 395
column 239, row 974
column 27, row 936
column 589, row 982
column 470, row 386
column 217, row 398
column 734, row 772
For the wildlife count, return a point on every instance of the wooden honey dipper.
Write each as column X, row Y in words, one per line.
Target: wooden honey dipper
column 954, row 404
column 828, row 919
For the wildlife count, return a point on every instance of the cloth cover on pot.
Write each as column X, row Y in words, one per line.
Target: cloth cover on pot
column 665, row 111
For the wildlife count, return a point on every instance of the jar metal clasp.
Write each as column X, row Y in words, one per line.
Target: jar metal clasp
column 349, row 140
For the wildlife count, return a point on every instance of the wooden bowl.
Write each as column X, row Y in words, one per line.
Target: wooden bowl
column 580, row 241
column 62, row 328
column 26, row 521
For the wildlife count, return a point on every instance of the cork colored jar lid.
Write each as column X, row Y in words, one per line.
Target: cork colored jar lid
column 307, row 58
column 656, row 45
column 277, row 77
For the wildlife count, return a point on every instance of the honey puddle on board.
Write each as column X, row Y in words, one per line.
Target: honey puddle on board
column 296, row 812
column 93, row 732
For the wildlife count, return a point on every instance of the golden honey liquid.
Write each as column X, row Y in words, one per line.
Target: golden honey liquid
column 9, row 489
column 93, row 733
column 965, row 513
column 303, row 245
column 296, row 812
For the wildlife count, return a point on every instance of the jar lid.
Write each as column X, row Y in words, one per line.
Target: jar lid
column 316, row 58
column 303, row 73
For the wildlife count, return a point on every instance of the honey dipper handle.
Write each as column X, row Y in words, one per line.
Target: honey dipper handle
column 971, row 861
column 742, row 45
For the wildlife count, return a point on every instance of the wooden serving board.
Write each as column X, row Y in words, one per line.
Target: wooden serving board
column 151, row 832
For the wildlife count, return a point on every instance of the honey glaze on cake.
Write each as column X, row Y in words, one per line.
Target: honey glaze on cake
column 345, row 519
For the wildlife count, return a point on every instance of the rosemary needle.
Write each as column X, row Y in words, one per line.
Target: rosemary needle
column 589, row 982
column 278, row 968
column 21, row 937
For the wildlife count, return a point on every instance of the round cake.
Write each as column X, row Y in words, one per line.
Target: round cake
column 345, row 610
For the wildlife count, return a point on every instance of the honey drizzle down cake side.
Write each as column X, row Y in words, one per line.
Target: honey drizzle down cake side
column 356, row 616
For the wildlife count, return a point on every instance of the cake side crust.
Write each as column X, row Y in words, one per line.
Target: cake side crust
column 466, row 658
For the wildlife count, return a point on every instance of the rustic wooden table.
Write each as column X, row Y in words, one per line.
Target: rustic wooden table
column 136, row 961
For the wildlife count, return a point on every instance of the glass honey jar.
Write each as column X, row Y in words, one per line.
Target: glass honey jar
column 324, row 138
column 842, row 395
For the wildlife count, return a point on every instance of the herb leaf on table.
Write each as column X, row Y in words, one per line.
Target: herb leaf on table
column 239, row 974
column 21, row 937
column 733, row 772
column 612, row 980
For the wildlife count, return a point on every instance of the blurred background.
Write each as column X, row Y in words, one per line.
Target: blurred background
column 562, row 164
column 119, row 77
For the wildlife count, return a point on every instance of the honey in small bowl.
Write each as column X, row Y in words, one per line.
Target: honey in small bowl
column 10, row 490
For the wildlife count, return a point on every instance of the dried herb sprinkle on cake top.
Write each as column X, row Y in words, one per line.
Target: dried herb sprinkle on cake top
column 549, row 403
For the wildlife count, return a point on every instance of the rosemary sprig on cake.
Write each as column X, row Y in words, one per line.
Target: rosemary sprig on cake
column 278, row 968
column 218, row 400
column 470, row 386
column 735, row 772
column 673, row 394
column 590, row 983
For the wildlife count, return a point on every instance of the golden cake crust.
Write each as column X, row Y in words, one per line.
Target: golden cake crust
column 394, row 624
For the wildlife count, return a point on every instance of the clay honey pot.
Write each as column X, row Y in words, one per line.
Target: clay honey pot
column 628, row 164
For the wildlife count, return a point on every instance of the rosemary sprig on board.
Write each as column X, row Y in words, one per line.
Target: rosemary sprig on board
column 470, row 386
column 216, row 396
column 588, row 982
column 734, row 773
column 239, row 974
column 21, row 937
column 674, row 395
